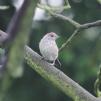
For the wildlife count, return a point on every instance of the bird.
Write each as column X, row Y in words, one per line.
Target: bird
column 48, row 47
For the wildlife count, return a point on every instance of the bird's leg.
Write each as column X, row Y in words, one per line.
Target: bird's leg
column 51, row 62
column 42, row 58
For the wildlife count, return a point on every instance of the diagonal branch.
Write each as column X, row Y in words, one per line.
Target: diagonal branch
column 57, row 77
column 78, row 29
column 69, row 40
column 60, row 16
column 92, row 24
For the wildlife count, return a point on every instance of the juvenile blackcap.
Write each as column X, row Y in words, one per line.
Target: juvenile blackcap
column 48, row 47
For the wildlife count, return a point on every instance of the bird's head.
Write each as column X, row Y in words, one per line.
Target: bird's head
column 51, row 36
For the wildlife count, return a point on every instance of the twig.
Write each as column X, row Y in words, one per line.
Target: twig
column 48, row 9
column 81, row 27
column 78, row 26
column 92, row 24
column 68, row 40
column 74, row 23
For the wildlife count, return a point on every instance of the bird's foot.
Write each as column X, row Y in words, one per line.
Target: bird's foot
column 51, row 62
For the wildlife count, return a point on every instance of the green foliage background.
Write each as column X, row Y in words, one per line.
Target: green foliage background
column 80, row 60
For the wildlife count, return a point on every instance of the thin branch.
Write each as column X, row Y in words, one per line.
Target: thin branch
column 49, row 10
column 57, row 77
column 92, row 24
column 74, row 23
column 68, row 40
column 81, row 27
column 78, row 26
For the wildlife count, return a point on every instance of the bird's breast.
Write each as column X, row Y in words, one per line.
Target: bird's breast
column 49, row 50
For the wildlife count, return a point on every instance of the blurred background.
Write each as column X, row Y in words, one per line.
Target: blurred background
column 80, row 60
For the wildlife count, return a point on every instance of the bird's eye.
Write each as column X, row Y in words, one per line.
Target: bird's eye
column 52, row 35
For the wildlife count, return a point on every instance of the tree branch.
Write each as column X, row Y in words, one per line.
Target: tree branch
column 78, row 26
column 57, row 77
column 78, row 29
column 74, row 23
column 92, row 24
column 49, row 10
column 69, row 40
